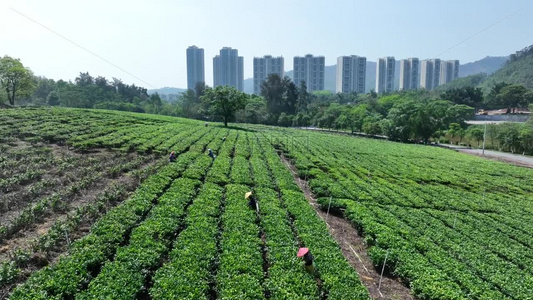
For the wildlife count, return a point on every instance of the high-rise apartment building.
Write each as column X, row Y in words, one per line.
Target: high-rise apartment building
column 455, row 68
column 228, row 69
column 449, row 70
column 264, row 66
column 436, row 72
column 426, row 77
column 195, row 66
column 430, row 73
column 409, row 74
column 385, row 69
column 309, row 69
column 351, row 74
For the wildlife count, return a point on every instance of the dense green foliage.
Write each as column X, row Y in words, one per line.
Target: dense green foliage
column 508, row 137
column 224, row 102
column 15, row 79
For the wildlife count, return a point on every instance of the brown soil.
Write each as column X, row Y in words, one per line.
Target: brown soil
column 24, row 239
column 13, row 203
column 354, row 249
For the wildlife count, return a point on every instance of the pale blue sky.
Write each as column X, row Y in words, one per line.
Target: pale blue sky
column 149, row 38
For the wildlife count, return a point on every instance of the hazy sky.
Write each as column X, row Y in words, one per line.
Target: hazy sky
column 148, row 38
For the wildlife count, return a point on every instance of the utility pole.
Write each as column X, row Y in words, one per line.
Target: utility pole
column 484, row 136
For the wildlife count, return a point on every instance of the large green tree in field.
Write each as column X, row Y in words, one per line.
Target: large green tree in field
column 282, row 95
column 15, row 79
column 224, row 101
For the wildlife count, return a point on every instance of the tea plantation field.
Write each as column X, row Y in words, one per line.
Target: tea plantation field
column 186, row 232
column 454, row 226
column 92, row 209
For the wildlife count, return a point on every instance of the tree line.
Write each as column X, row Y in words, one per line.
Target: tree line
column 23, row 88
column 407, row 116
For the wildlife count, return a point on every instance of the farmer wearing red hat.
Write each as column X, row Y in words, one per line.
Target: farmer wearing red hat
column 308, row 258
column 172, row 156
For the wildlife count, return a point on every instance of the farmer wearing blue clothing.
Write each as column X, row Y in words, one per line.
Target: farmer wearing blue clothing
column 211, row 154
column 172, row 157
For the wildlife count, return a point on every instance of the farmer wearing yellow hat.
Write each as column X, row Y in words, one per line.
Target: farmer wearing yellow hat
column 251, row 201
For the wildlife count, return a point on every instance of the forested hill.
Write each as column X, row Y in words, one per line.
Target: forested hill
column 518, row 70
column 487, row 65
column 166, row 91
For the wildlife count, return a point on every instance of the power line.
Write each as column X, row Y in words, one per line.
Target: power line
column 479, row 32
column 80, row 46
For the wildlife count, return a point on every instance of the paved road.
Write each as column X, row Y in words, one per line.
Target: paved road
column 508, row 157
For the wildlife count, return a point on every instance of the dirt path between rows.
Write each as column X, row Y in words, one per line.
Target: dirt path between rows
column 354, row 249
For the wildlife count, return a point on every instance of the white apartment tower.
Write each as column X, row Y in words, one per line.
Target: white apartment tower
column 430, row 73
column 195, row 66
column 264, row 66
column 436, row 72
column 409, row 74
column 449, row 70
column 385, row 69
column 351, row 74
column 426, row 80
column 309, row 69
column 228, row 69
column 455, row 68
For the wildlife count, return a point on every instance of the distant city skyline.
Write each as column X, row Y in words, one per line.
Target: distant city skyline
column 142, row 39
column 350, row 76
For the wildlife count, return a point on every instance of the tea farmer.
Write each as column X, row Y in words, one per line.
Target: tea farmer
column 251, row 201
column 224, row 139
column 308, row 258
column 172, row 156
column 211, row 154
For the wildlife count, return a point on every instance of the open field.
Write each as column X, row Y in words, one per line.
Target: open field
column 91, row 209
